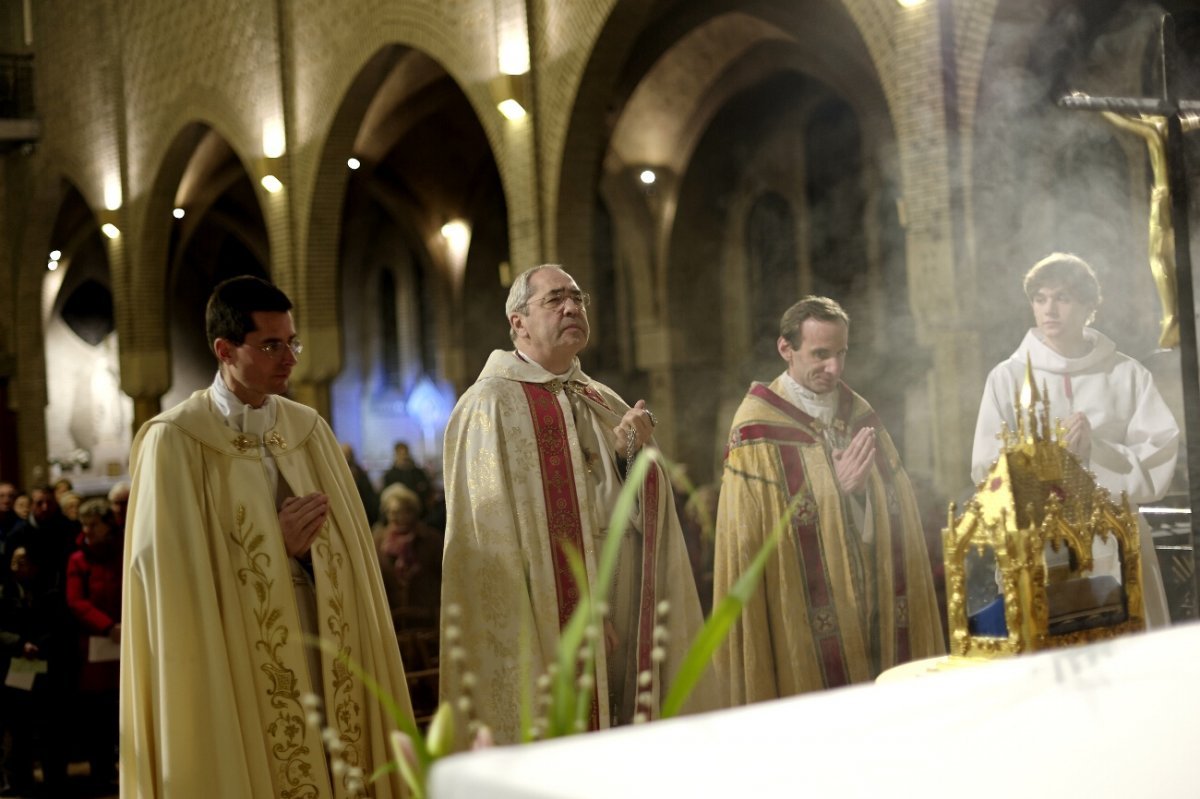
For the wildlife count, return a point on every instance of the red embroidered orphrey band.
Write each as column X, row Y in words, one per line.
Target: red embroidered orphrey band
column 564, row 526
column 822, row 613
column 648, row 607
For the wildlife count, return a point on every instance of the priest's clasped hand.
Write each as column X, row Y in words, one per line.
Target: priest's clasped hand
column 853, row 464
column 301, row 519
column 640, row 421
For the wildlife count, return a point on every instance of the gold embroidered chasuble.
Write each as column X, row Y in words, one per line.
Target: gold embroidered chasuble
column 834, row 607
column 212, row 654
column 517, row 487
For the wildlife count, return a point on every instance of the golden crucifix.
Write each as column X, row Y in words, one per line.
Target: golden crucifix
column 1153, row 129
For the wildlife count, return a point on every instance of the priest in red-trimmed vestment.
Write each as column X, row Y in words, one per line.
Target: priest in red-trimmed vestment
column 534, row 457
column 848, row 593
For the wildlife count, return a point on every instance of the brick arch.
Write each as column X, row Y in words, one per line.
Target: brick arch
column 322, row 232
column 143, row 305
column 52, row 187
column 624, row 52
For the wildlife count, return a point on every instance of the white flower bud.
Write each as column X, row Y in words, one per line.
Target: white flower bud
column 645, row 678
column 602, row 608
column 338, row 767
column 468, row 680
column 663, row 607
column 640, row 718
column 310, row 701
column 453, row 611
column 464, row 704
column 458, row 654
column 586, row 682
column 658, row 654
column 452, row 633
column 313, row 719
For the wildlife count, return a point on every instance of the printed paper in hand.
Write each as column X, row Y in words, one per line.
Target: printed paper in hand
column 101, row 649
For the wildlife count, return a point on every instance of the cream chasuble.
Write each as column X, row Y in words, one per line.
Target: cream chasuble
column 836, row 606
column 213, row 657
column 526, row 471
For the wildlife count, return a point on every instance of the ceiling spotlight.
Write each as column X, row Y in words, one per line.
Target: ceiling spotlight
column 52, row 264
column 353, row 163
column 110, row 230
column 55, row 255
column 647, row 176
column 178, row 213
column 271, row 183
column 910, row 3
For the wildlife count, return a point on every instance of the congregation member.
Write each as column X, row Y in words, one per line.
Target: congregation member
column 362, row 484
column 53, row 531
column 94, row 599
column 535, row 456
column 8, row 512
column 35, row 654
column 405, row 471
column 848, row 592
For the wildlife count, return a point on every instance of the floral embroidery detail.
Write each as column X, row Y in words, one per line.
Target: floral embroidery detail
column 346, row 710
column 275, row 440
column 806, row 511
column 286, row 732
column 243, row 443
column 823, row 621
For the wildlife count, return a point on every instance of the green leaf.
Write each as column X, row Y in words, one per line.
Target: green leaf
column 525, row 666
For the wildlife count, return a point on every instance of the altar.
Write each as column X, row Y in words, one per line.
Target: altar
column 1112, row 719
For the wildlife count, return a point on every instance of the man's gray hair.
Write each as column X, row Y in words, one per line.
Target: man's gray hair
column 117, row 490
column 520, row 294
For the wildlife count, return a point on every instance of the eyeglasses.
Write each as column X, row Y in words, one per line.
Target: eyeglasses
column 274, row 349
column 556, row 299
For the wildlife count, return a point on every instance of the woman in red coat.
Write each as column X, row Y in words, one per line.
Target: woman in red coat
column 94, row 597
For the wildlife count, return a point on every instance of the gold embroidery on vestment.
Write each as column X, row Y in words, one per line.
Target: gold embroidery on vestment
column 286, row 732
column 347, row 711
column 244, row 442
column 275, row 440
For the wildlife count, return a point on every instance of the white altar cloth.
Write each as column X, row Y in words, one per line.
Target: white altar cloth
column 1117, row 719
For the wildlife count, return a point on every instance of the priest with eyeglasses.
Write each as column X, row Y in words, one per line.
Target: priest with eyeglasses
column 536, row 453
column 246, row 541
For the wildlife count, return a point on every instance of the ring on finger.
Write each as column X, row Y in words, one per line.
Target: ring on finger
column 653, row 421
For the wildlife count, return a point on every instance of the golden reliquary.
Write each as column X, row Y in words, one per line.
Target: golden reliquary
column 1041, row 556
